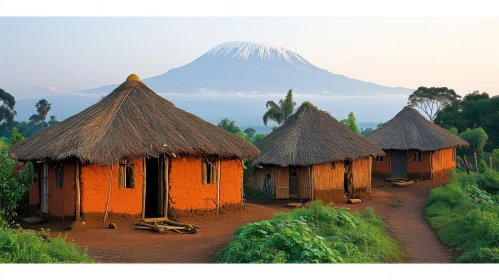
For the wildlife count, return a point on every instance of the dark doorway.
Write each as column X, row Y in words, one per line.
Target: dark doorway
column 293, row 182
column 398, row 162
column 155, row 190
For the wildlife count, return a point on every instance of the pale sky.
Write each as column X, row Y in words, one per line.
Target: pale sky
column 43, row 56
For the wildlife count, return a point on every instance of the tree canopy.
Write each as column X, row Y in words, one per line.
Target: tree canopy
column 477, row 138
column 7, row 108
column 432, row 100
column 229, row 125
column 351, row 122
column 474, row 110
column 280, row 112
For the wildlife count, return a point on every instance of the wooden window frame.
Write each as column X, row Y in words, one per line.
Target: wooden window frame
column 380, row 158
column 209, row 166
column 125, row 174
column 414, row 157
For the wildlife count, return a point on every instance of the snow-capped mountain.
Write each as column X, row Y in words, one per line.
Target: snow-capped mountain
column 250, row 67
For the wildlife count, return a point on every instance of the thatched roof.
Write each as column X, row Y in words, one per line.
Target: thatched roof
column 131, row 122
column 311, row 136
column 410, row 130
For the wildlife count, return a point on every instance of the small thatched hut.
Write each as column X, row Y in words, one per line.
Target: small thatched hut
column 313, row 156
column 137, row 155
column 415, row 148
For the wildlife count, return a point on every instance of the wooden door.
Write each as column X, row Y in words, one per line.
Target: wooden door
column 293, row 182
column 281, row 182
column 398, row 162
column 44, row 177
column 305, row 182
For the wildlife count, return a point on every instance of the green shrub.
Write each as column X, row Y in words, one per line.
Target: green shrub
column 15, row 180
column 483, row 255
column 316, row 234
column 28, row 246
column 250, row 193
column 495, row 159
column 488, row 181
column 466, row 216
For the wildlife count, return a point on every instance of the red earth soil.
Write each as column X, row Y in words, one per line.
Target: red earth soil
column 405, row 222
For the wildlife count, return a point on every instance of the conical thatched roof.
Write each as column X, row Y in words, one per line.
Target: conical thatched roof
column 311, row 136
column 410, row 130
column 132, row 121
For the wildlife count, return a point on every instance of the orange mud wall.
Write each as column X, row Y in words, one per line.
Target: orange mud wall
column 361, row 171
column 419, row 170
column 61, row 201
column 328, row 181
column 94, row 184
column 381, row 169
column 187, row 191
column 441, row 164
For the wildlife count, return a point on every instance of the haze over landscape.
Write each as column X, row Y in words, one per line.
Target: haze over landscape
column 233, row 66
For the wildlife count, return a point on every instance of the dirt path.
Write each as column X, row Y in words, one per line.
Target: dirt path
column 402, row 209
column 406, row 222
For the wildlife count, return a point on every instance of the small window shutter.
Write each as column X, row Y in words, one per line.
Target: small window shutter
column 121, row 176
column 204, row 166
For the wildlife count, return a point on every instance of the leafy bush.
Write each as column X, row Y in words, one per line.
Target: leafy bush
column 250, row 193
column 495, row 159
column 28, row 246
column 15, row 180
column 466, row 216
column 477, row 139
column 316, row 234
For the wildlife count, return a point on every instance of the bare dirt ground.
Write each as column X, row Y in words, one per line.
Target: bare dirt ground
column 401, row 208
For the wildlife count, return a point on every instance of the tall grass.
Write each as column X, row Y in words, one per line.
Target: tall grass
column 465, row 214
column 28, row 246
column 317, row 234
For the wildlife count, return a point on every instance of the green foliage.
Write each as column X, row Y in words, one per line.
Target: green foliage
column 258, row 138
column 15, row 137
column 316, row 234
column 250, row 134
column 280, row 112
column 242, row 135
column 14, row 182
column 42, row 107
column 477, row 139
column 366, row 131
column 351, row 122
column 454, row 131
column 495, row 159
column 53, row 120
column 7, row 113
column 250, row 193
column 432, row 100
column 28, row 246
column 229, row 125
column 466, row 215
column 475, row 110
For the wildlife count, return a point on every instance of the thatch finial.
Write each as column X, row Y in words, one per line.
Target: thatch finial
column 408, row 105
column 133, row 77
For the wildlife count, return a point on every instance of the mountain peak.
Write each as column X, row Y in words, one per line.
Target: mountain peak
column 246, row 50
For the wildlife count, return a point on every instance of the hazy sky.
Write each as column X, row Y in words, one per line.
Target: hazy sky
column 41, row 56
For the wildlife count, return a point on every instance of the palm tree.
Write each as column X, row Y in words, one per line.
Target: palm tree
column 42, row 107
column 250, row 133
column 229, row 125
column 279, row 113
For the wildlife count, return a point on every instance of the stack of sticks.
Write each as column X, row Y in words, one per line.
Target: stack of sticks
column 400, row 183
column 164, row 226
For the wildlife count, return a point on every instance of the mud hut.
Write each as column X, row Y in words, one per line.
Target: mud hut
column 415, row 148
column 134, row 154
column 313, row 156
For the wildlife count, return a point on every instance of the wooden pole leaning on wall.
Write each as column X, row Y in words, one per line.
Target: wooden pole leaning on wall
column 78, row 193
column 167, row 185
column 218, row 185
column 109, row 192
column 144, row 188
column 465, row 164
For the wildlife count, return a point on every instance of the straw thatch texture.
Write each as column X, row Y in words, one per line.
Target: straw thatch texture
column 131, row 122
column 311, row 136
column 410, row 130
